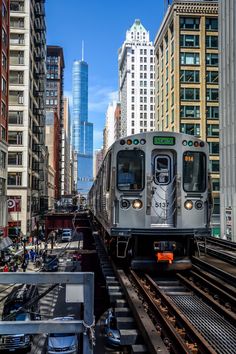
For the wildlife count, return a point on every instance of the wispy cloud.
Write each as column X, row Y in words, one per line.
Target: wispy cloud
column 100, row 97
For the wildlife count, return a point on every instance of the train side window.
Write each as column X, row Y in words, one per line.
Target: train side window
column 194, row 171
column 130, row 170
column 162, row 170
column 108, row 172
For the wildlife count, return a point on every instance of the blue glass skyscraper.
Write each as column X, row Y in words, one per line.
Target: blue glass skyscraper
column 82, row 130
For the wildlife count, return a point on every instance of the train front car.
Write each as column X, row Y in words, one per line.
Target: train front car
column 157, row 200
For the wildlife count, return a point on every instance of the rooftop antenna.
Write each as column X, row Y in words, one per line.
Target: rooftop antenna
column 82, row 50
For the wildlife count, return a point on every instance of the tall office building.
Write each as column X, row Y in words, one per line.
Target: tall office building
column 66, row 145
column 82, row 130
column 186, row 49
column 136, row 81
column 4, row 74
column 227, row 46
column 54, row 103
column 26, row 113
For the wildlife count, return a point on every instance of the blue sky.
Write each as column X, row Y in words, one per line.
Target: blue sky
column 102, row 24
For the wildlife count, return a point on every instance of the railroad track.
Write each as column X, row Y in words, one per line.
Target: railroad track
column 221, row 249
column 184, row 317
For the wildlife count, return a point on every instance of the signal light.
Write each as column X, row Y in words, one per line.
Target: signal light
column 184, row 142
column 122, row 142
column 196, row 144
column 129, row 142
column 137, row 204
column 142, row 141
column 190, row 143
column 202, row 143
column 199, row 204
column 135, row 141
column 188, row 205
column 125, row 204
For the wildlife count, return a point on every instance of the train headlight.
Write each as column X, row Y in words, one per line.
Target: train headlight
column 125, row 204
column 137, row 204
column 199, row 204
column 188, row 205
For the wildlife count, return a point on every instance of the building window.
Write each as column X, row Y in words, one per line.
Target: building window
column 189, row 76
column 15, row 158
column 4, row 86
column 190, row 112
column 189, row 94
column 2, row 159
column 15, row 138
column 214, row 148
column 16, row 5
column 4, row 37
column 192, row 129
column 212, row 94
column 212, row 59
column 15, row 117
column 214, row 166
column 189, row 23
column 4, row 61
column 212, row 24
column 213, row 130
column 16, row 78
column 189, row 58
column 212, row 42
column 3, row 110
column 16, row 57
column 215, row 184
column 212, row 77
column 2, row 187
column 14, row 179
column 188, row 40
column 212, row 112
column 3, row 133
column 16, row 97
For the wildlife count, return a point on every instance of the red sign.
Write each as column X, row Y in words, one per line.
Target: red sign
column 14, row 203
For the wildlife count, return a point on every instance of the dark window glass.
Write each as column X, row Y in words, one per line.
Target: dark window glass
column 189, row 23
column 212, row 24
column 130, row 170
column 212, row 77
column 194, row 171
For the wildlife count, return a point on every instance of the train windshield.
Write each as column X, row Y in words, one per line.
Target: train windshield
column 194, row 171
column 130, row 170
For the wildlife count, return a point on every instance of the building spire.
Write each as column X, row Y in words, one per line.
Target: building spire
column 82, row 50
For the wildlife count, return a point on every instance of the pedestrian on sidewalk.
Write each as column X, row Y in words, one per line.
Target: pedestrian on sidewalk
column 32, row 255
column 24, row 266
column 26, row 257
column 6, row 269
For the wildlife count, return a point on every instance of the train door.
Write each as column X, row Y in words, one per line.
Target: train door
column 163, row 189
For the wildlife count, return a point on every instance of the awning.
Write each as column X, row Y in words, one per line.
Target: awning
column 5, row 242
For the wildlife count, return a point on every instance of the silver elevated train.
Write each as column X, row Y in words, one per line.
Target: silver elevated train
column 151, row 199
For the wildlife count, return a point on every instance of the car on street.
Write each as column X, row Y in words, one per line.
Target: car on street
column 111, row 331
column 50, row 263
column 66, row 235
column 66, row 343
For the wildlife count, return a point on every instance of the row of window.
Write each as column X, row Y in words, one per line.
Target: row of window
column 143, row 51
column 194, row 59
column 192, row 41
column 192, row 112
column 193, row 94
column 193, row 23
column 212, row 77
column 194, row 129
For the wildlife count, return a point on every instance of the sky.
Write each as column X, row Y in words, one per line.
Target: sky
column 102, row 25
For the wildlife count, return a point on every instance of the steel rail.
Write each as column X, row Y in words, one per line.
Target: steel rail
column 219, row 273
column 149, row 332
column 193, row 333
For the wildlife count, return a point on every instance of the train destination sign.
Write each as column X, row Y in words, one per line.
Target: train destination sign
column 164, row 140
